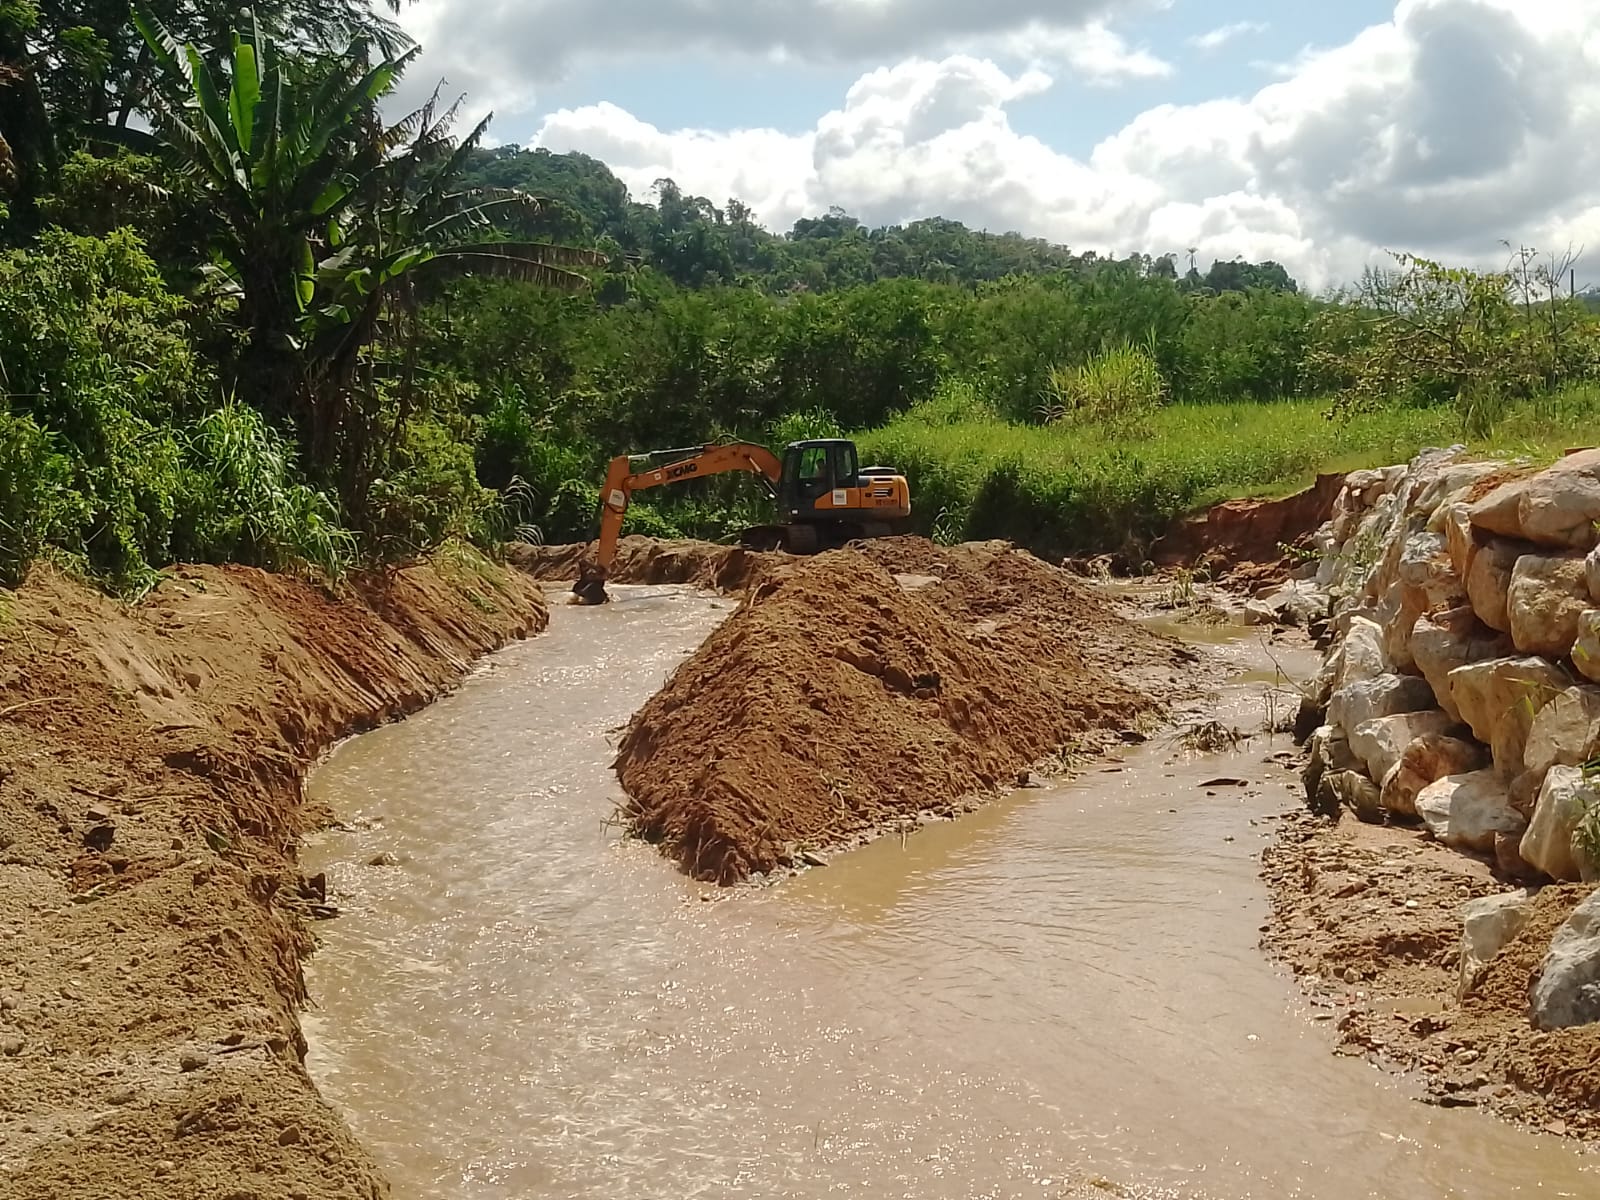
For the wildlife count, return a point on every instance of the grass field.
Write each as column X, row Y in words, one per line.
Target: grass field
column 1075, row 490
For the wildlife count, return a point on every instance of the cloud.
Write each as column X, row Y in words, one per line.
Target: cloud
column 1219, row 37
column 499, row 49
column 1454, row 125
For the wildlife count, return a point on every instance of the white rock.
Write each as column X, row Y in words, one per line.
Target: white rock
column 1591, row 573
column 1398, row 617
column 1466, row 811
column 1546, row 597
column 1381, row 743
column 1567, row 990
column 1566, row 733
column 1456, row 522
column 1362, row 654
column 1488, row 927
column 1489, row 582
column 1559, row 506
column 1327, row 752
column 1586, row 650
column 1383, row 696
column 1496, row 512
column 1499, row 698
column 1444, row 641
column 1428, row 575
column 1424, row 762
column 1450, row 485
column 1550, row 845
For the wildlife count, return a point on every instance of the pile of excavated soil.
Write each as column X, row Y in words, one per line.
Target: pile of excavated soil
column 152, row 920
column 866, row 686
column 1370, row 919
column 648, row 561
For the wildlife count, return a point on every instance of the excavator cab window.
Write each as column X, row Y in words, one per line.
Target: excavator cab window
column 813, row 469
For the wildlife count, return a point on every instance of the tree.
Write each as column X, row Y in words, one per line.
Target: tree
column 322, row 216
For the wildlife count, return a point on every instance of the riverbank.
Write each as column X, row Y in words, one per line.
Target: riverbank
column 1438, row 898
column 152, row 916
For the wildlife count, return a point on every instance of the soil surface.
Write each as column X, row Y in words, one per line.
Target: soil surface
column 888, row 682
column 1369, row 917
column 648, row 561
column 152, row 920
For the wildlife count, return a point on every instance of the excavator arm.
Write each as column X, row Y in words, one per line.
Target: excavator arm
column 622, row 481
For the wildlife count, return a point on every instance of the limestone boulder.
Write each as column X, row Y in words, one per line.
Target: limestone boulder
column 1441, row 642
column 1559, row 506
column 1455, row 522
column 1361, row 656
column 1586, row 650
column 1381, row 696
column 1428, row 575
column 1465, row 812
column 1591, row 574
column 1352, row 790
column 1398, row 617
column 1381, row 744
column 1488, row 926
column 1566, row 733
column 1498, row 512
column 1449, row 484
column 1489, row 581
column 1547, row 596
column 1424, row 762
column 1499, row 698
column 1566, row 992
column 1551, row 844
column 1327, row 752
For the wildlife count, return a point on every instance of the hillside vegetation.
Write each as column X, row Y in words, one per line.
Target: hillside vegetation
column 276, row 329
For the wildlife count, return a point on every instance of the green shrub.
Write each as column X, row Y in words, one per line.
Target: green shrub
column 1117, row 389
column 33, row 495
column 429, row 494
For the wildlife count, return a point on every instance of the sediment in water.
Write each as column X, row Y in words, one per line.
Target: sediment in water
column 868, row 685
column 152, row 921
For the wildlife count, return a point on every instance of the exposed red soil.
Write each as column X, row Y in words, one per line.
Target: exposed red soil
column 1370, row 918
column 869, row 685
column 152, row 921
column 648, row 561
column 1249, row 531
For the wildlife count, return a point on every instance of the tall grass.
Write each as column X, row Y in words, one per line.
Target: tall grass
column 1077, row 489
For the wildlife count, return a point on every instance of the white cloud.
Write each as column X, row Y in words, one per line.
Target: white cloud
column 1219, row 37
column 1095, row 54
column 500, row 47
column 1455, row 125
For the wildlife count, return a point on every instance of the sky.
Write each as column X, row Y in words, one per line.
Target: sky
column 1323, row 134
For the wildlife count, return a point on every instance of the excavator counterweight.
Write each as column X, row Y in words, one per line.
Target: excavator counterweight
column 823, row 495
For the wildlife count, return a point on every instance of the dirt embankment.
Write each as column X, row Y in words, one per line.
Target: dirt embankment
column 872, row 685
column 151, row 916
column 643, row 560
column 1370, row 917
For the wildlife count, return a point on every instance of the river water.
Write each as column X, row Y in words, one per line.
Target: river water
column 1059, row 995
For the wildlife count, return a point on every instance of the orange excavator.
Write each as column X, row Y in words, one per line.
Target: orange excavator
column 824, row 497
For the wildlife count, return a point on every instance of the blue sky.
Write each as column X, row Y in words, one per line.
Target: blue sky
column 1320, row 134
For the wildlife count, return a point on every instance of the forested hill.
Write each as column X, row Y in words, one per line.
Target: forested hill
column 698, row 244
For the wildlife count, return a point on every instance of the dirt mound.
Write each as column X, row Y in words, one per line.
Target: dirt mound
column 648, row 561
column 1370, row 917
column 868, row 685
column 151, row 918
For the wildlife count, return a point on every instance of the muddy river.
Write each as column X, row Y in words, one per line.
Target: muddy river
column 1059, row 995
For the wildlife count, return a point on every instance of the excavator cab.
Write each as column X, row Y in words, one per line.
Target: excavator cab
column 812, row 470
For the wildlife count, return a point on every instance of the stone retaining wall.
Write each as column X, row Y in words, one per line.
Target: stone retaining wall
column 1459, row 602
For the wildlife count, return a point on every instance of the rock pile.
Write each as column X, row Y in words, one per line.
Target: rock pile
column 1459, row 602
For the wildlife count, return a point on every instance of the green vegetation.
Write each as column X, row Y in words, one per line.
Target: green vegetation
column 277, row 329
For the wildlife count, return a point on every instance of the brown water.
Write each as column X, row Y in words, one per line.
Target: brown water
column 1059, row 995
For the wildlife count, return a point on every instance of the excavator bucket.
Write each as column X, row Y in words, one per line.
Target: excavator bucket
column 591, row 585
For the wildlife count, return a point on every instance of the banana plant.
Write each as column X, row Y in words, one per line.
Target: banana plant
column 324, row 215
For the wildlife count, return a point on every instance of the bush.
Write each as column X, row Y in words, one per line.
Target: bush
column 1117, row 389
column 33, row 495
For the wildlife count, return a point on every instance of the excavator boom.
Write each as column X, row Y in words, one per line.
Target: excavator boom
column 622, row 481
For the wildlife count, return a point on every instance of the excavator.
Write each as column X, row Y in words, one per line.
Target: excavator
column 825, row 498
